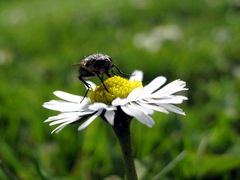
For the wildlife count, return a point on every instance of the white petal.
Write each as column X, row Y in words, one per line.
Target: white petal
column 61, row 121
column 172, row 108
column 138, row 114
column 171, row 88
column 110, row 115
column 68, row 115
column 144, row 109
column 155, row 107
column 135, row 94
column 154, row 85
column 62, row 116
column 89, row 121
column 97, row 106
column 68, row 97
column 136, row 75
column 92, row 85
column 59, row 128
column 110, row 108
column 64, row 106
column 172, row 99
column 119, row 102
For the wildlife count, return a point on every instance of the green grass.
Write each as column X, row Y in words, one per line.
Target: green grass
column 39, row 42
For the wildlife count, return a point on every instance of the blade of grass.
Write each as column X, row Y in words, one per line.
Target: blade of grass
column 170, row 166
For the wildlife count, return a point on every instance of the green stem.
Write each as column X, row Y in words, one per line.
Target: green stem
column 122, row 130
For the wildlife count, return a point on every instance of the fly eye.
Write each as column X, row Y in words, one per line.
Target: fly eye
column 88, row 64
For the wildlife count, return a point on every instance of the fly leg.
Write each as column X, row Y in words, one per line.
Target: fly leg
column 120, row 72
column 86, row 84
column 113, row 72
column 109, row 75
column 85, row 94
column 101, row 79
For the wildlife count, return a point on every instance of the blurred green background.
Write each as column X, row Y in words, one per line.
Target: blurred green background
column 197, row 41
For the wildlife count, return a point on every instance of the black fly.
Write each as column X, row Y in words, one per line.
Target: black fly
column 96, row 65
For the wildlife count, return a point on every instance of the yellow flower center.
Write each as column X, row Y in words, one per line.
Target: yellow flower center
column 117, row 87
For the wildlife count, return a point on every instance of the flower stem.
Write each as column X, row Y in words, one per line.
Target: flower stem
column 122, row 130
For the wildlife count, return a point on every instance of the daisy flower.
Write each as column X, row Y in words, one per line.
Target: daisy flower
column 126, row 95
